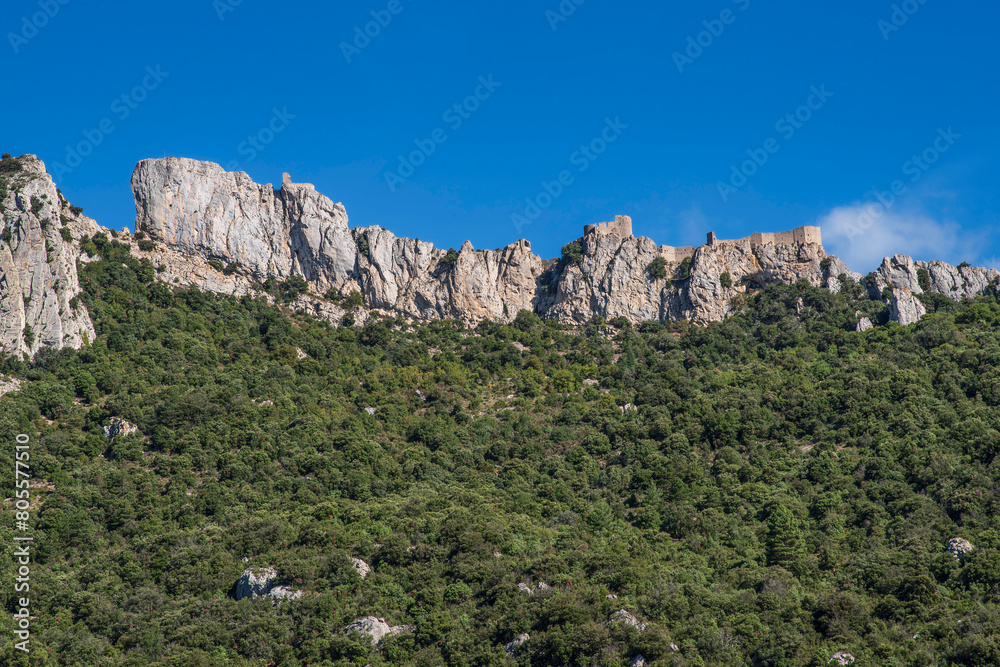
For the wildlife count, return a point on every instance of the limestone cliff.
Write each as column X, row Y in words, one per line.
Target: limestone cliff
column 219, row 231
column 38, row 279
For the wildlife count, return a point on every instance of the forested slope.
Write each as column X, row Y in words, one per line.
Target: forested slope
column 774, row 488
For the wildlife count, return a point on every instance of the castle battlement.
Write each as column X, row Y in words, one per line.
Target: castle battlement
column 622, row 226
column 798, row 235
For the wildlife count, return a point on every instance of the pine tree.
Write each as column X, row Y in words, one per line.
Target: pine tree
column 785, row 545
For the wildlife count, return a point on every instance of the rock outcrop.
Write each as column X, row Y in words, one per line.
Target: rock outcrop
column 622, row 617
column 904, row 307
column 376, row 629
column 361, row 567
column 512, row 646
column 959, row 546
column 261, row 583
column 119, row 427
column 219, row 231
column 39, row 286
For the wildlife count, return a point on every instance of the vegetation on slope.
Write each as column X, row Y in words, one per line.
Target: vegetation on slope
column 783, row 490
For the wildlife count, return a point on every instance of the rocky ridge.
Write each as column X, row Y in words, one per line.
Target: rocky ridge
column 202, row 226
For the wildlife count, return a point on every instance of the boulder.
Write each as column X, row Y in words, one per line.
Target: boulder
column 622, row 617
column 842, row 658
column 512, row 646
column 261, row 583
column 362, row 568
column 959, row 546
column 638, row 661
column 119, row 427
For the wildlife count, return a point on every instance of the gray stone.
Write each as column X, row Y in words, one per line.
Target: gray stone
column 905, row 307
column 38, row 274
column 842, row 658
column 261, row 583
column 624, row 618
column 119, row 427
column 362, row 568
column 959, row 546
column 512, row 646
column 864, row 324
column 638, row 661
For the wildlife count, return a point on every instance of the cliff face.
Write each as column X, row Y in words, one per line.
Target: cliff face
column 222, row 232
column 38, row 279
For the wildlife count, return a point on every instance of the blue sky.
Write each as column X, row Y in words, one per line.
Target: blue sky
column 643, row 108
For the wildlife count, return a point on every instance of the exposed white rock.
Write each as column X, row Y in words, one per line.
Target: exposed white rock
column 624, row 618
column 512, row 646
column 610, row 596
column 9, row 384
column 905, row 307
column 842, row 658
column 119, row 427
column 219, row 231
column 638, row 661
column 377, row 629
column 959, row 546
column 38, row 276
column 261, row 583
column 542, row 586
column 864, row 324
column 362, row 568
column 525, row 588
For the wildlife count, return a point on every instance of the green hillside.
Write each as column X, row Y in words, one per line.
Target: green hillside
column 774, row 488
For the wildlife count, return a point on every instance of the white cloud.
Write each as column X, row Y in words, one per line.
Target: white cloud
column 863, row 234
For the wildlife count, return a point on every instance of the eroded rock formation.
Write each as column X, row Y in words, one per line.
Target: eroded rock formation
column 219, row 231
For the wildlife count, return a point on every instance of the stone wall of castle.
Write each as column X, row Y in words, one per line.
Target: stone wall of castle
column 674, row 255
column 622, row 227
column 798, row 235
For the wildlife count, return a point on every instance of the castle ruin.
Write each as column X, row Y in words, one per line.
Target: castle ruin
column 622, row 227
column 796, row 236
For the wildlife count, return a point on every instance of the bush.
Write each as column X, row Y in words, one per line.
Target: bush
column 354, row 300
column 924, row 279
column 449, row 260
column 685, row 268
column 572, row 253
column 36, row 205
column 9, row 165
column 657, row 269
column 726, row 280
column 363, row 248
column 67, row 236
column 146, row 245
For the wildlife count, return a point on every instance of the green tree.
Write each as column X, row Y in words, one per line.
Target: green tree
column 785, row 545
